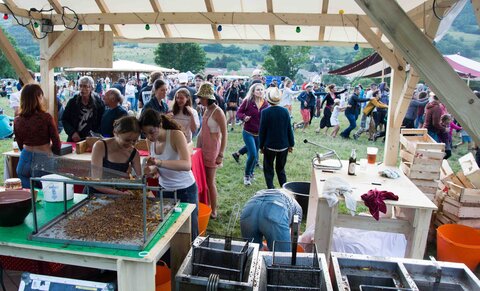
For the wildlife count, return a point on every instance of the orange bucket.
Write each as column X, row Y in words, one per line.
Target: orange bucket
column 265, row 247
column 458, row 243
column 204, row 212
column 163, row 279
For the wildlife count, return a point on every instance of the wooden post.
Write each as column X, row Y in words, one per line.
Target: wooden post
column 420, row 52
column 47, row 82
column 392, row 137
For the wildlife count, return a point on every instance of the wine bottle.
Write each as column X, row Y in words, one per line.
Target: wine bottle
column 352, row 162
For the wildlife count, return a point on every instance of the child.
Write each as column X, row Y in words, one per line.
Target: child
column 334, row 118
column 445, row 136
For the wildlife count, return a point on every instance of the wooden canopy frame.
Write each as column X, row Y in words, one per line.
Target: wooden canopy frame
column 398, row 36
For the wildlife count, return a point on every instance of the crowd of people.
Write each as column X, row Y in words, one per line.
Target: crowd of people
column 171, row 115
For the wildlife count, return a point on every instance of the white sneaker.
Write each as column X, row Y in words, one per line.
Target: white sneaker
column 247, row 181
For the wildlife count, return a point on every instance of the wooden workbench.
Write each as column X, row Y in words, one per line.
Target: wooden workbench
column 134, row 271
column 415, row 207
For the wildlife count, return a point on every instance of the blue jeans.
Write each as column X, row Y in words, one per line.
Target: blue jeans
column 27, row 166
column 251, row 142
column 265, row 216
column 133, row 102
column 188, row 195
column 352, row 119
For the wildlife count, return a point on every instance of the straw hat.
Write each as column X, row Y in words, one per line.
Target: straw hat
column 273, row 95
column 206, row 91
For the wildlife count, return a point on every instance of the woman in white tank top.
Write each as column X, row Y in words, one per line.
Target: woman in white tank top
column 169, row 160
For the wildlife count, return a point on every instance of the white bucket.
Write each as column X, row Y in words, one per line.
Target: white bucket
column 53, row 191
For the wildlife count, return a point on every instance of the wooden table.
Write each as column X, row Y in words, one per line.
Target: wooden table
column 416, row 209
column 134, row 272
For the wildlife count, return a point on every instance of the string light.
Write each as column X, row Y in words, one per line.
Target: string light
column 80, row 27
column 298, row 29
column 35, row 24
column 219, row 27
column 356, row 47
column 147, row 26
column 341, row 11
column 5, row 16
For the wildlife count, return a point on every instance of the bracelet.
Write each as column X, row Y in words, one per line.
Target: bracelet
column 160, row 165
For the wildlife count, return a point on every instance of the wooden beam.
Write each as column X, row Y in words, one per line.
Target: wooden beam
column 420, row 52
column 476, row 9
column 210, row 9
column 59, row 43
column 405, row 97
column 321, row 32
column 157, row 8
column 14, row 59
column 104, row 8
column 271, row 28
column 377, row 44
column 392, row 139
column 47, row 80
column 253, row 18
column 56, row 5
column 245, row 41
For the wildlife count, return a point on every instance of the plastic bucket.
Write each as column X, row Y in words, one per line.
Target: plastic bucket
column 204, row 212
column 53, row 191
column 163, row 277
column 301, row 192
column 264, row 248
column 458, row 243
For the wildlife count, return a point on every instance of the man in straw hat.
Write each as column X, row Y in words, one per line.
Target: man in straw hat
column 275, row 138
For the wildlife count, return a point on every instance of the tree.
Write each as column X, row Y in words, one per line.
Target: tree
column 233, row 66
column 6, row 70
column 363, row 53
column 285, row 60
column 181, row 56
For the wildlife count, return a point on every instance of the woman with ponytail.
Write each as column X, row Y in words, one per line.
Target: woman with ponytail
column 169, row 159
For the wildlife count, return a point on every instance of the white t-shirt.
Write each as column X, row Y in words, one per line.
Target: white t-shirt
column 184, row 121
column 287, row 96
column 14, row 101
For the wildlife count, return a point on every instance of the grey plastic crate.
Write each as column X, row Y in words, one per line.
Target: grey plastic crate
column 187, row 279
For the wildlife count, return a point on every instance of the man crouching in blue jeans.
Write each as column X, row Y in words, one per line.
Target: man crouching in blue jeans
column 269, row 213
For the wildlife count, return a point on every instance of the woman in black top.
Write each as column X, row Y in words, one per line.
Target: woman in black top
column 232, row 97
column 327, row 112
column 117, row 154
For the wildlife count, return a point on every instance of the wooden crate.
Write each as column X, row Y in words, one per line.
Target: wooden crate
column 418, row 143
column 421, row 172
column 446, row 217
column 462, row 194
column 461, row 210
column 470, row 169
column 85, row 146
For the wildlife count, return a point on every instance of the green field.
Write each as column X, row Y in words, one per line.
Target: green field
column 230, row 176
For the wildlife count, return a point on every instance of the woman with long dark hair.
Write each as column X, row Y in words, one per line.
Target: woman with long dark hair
column 36, row 133
column 332, row 94
column 184, row 114
column 169, row 159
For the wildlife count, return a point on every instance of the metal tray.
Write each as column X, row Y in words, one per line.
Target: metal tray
column 54, row 231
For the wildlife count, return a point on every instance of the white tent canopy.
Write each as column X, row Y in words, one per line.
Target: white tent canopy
column 124, row 66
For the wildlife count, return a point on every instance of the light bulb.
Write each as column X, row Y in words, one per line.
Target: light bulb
column 356, row 47
column 147, row 26
column 5, row 16
column 80, row 27
column 219, row 27
column 341, row 11
column 298, row 29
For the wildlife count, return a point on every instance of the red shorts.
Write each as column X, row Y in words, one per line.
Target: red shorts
column 305, row 115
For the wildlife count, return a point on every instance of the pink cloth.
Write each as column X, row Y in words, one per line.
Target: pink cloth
column 374, row 200
column 305, row 115
column 210, row 143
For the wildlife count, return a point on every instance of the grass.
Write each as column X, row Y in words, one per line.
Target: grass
column 230, row 176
